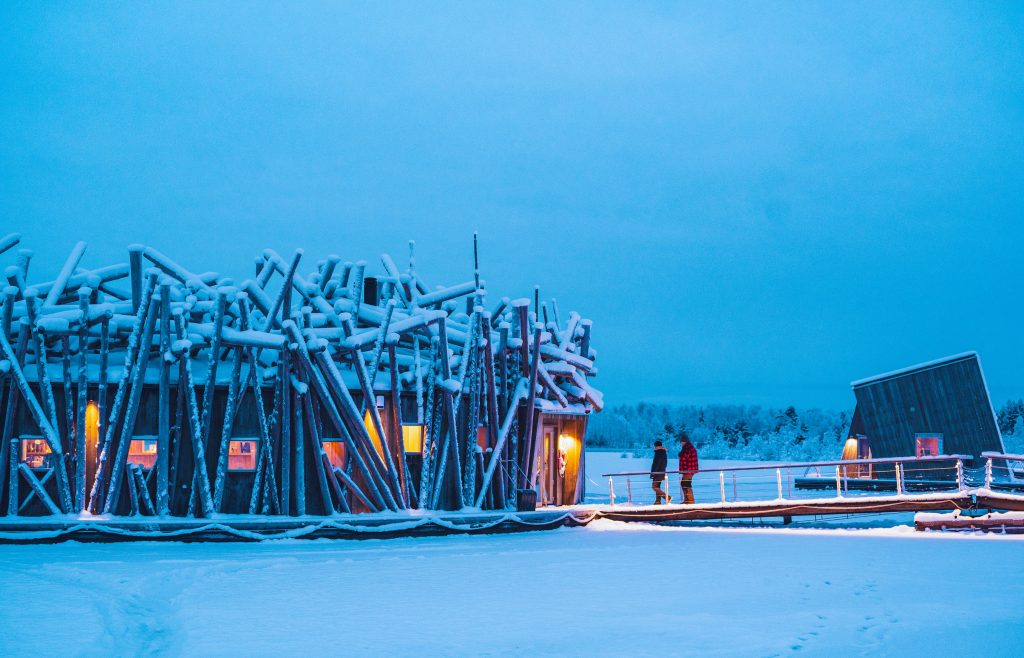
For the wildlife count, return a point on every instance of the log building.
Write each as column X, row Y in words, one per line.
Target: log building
column 144, row 388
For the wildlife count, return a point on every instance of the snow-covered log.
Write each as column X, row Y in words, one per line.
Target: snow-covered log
column 444, row 294
column 177, row 271
column 9, row 241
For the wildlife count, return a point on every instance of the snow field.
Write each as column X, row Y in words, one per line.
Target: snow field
column 609, row 589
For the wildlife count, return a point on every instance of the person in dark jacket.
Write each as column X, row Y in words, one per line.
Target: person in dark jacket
column 688, row 467
column 658, row 473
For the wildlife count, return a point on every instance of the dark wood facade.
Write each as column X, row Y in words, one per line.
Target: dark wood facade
column 947, row 397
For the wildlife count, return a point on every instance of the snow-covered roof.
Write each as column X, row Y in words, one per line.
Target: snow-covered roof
column 93, row 307
column 915, row 369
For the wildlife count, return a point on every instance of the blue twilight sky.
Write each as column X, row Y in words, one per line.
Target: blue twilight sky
column 754, row 202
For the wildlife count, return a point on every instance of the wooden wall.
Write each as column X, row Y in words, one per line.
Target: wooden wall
column 948, row 398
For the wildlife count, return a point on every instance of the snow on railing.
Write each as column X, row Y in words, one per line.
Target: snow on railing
column 1002, row 469
column 791, row 481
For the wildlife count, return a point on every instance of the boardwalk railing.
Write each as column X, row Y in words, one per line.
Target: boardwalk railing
column 1002, row 470
column 805, row 480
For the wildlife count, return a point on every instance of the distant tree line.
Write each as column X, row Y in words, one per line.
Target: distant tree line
column 722, row 431
column 1010, row 417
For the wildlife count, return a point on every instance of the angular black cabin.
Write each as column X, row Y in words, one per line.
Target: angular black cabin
column 937, row 408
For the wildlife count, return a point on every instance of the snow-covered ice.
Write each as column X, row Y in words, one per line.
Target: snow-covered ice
column 608, row 589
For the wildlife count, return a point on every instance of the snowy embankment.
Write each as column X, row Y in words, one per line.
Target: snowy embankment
column 608, row 589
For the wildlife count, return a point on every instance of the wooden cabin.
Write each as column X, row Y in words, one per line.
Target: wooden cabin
column 937, row 408
column 330, row 392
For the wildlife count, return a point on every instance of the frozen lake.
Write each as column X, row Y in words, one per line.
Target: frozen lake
column 609, row 589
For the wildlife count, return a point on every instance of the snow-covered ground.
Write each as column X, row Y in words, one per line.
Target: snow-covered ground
column 607, row 589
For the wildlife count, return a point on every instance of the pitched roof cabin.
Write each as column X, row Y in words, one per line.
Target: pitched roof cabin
column 296, row 394
column 937, row 408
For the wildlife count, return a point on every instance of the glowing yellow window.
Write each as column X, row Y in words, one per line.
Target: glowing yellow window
column 242, row 454
column 372, row 431
column 35, row 453
column 412, row 438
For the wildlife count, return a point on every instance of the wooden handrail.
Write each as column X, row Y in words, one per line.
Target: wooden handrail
column 845, row 462
column 1002, row 455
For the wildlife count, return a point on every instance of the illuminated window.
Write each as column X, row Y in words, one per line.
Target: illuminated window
column 857, row 447
column 481, row 437
column 35, row 453
column 92, row 424
column 142, row 452
column 412, row 438
column 372, row 431
column 928, row 445
column 335, row 451
column 242, row 454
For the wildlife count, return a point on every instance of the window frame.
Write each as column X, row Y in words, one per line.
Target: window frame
column 344, row 450
column 143, row 439
column 255, row 453
column 47, row 455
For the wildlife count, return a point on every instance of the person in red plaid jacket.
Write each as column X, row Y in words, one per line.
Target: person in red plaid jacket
column 688, row 467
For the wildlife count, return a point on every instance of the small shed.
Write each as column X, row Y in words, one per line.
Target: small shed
column 937, row 408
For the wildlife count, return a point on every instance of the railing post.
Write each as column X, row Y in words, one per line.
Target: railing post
column 12, row 482
column 735, row 490
column 899, row 479
column 629, row 491
column 611, row 491
column 959, row 475
column 778, row 480
column 839, row 484
column 721, row 483
column 988, row 473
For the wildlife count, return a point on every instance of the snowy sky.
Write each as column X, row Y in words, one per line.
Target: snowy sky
column 754, row 202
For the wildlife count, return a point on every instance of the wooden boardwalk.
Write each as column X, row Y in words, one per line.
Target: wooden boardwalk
column 52, row 529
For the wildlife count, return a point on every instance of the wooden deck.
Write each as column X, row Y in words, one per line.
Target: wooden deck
column 41, row 530
column 53, row 529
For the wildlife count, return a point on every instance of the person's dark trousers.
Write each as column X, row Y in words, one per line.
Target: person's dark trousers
column 686, row 487
column 659, row 493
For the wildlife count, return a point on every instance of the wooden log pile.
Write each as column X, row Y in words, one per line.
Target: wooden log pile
column 327, row 350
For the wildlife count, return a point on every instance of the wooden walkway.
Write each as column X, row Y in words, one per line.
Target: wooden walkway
column 53, row 529
column 934, row 502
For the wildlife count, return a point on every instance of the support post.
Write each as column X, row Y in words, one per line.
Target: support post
column 135, row 272
column 12, row 483
column 164, row 402
column 80, row 457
